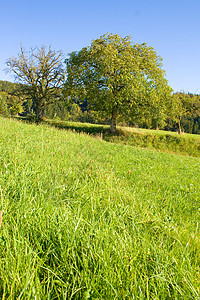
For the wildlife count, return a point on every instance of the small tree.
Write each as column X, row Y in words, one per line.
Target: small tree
column 118, row 77
column 41, row 74
column 15, row 105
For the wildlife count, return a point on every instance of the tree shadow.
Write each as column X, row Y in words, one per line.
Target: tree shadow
column 80, row 127
column 103, row 131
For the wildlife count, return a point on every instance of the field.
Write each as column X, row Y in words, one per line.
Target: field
column 88, row 219
column 172, row 142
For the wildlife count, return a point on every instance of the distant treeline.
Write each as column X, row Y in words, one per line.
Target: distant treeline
column 12, row 103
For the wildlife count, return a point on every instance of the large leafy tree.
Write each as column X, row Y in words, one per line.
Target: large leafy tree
column 118, row 77
column 41, row 74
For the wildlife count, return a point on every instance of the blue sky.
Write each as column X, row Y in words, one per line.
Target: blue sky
column 172, row 28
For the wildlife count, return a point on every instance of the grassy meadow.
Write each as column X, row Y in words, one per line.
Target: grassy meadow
column 171, row 142
column 88, row 219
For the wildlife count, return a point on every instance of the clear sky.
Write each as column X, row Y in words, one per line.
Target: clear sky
column 171, row 27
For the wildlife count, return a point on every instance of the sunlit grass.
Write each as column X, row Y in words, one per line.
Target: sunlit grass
column 161, row 132
column 86, row 219
column 166, row 141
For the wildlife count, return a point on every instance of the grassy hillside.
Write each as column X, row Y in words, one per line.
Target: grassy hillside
column 185, row 144
column 86, row 219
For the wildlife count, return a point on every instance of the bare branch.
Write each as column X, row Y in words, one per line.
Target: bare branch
column 42, row 73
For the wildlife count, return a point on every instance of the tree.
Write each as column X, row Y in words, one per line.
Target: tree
column 41, row 75
column 117, row 77
column 178, row 110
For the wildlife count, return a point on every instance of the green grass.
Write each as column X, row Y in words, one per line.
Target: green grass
column 172, row 142
column 87, row 219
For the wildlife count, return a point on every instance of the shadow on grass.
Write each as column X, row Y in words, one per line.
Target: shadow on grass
column 81, row 127
column 164, row 143
column 92, row 129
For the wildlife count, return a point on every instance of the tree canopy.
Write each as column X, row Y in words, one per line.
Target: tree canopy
column 186, row 106
column 41, row 74
column 119, row 77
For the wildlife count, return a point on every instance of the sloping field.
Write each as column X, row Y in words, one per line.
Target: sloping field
column 171, row 142
column 86, row 219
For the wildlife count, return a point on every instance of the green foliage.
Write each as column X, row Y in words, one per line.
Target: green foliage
column 85, row 219
column 186, row 112
column 15, row 105
column 115, row 78
column 8, row 87
column 118, row 77
column 3, row 104
column 12, row 101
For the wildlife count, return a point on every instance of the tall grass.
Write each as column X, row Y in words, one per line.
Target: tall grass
column 86, row 219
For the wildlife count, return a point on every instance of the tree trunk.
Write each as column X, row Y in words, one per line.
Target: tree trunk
column 113, row 127
column 179, row 126
column 38, row 112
